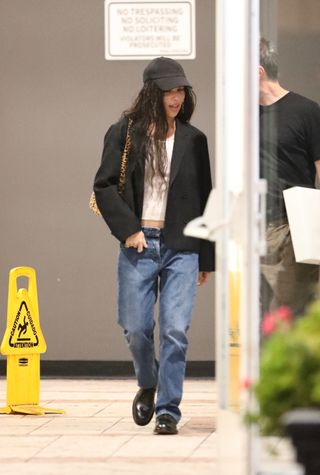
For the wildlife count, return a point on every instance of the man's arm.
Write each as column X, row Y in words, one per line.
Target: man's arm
column 317, row 164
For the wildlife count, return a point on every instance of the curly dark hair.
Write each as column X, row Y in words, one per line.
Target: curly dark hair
column 148, row 114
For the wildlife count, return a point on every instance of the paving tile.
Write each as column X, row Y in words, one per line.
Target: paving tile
column 208, row 449
column 110, row 467
column 83, row 409
column 98, row 436
column 16, row 425
column 117, row 408
column 161, row 467
column 83, row 448
column 75, row 426
column 198, row 409
column 149, row 446
column 126, row 426
column 197, row 426
column 22, row 447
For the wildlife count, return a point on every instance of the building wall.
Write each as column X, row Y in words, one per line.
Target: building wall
column 294, row 26
column 299, row 39
column 58, row 97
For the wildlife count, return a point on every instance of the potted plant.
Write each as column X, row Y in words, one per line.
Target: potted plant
column 288, row 389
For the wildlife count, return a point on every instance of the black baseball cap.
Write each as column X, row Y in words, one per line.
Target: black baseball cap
column 166, row 73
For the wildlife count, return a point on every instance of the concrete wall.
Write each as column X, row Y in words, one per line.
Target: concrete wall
column 299, row 40
column 294, row 26
column 58, row 97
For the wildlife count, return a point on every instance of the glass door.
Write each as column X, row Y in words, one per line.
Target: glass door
column 237, row 216
column 240, row 241
column 233, row 219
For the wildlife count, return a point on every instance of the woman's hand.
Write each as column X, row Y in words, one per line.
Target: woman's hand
column 137, row 241
column 203, row 277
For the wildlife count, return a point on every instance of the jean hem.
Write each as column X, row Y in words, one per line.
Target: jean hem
column 164, row 411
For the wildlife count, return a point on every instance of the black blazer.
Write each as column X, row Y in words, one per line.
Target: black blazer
column 189, row 187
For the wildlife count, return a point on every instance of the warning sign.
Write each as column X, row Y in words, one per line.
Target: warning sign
column 23, row 332
column 23, row 335
column 146, row 29
column 22, row 342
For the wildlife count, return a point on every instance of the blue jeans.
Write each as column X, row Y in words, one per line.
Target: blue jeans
column 140, row 277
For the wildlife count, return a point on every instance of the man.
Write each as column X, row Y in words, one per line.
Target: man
column 289, row 156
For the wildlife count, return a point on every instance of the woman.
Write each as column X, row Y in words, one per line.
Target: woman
column 167, row 184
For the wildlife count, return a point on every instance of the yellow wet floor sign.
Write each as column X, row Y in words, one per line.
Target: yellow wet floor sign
column 22, row 343
column 234, row 337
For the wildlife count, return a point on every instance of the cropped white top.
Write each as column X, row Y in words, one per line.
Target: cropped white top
column 156, row 193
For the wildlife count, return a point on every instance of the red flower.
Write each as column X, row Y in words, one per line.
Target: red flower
column 272, row 321
column 269, row 324
column 284, row 314
column 246, row 383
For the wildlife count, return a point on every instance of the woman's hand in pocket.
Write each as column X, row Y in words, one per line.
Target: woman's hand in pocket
column 137, row 241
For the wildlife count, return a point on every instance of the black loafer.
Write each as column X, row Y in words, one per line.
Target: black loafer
column 143, row 406
column 166, row 425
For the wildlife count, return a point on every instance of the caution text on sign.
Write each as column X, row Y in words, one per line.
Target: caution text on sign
column 142, row 30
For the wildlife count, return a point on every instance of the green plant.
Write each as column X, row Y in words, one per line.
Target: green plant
column 289, row 367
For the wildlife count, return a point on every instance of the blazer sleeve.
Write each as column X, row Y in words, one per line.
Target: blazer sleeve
column 207, row 248
column 119, row 217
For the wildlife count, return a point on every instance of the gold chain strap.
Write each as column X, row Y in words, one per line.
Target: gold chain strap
column 124, row 159
column 122, row 179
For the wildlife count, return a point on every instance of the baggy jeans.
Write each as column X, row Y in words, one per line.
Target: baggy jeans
column 140, row 277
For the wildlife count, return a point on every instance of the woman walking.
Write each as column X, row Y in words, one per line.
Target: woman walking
column 165, row 184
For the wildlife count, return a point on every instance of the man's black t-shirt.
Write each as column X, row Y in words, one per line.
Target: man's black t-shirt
column 289, row 146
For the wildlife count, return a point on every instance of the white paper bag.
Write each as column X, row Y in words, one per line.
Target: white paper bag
column 303, row 210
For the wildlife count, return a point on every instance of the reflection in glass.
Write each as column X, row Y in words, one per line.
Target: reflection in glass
column 289, row 151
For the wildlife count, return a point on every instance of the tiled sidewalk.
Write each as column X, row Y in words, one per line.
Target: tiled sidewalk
column 97, row 434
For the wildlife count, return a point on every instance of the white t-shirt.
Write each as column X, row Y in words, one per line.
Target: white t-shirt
column 156, row 193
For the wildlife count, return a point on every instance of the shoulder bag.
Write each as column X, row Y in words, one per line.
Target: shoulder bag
column 122, row 179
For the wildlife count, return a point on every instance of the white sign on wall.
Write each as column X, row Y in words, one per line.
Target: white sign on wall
column 144, row 30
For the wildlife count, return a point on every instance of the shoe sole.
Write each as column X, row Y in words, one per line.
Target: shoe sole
column 164, row 432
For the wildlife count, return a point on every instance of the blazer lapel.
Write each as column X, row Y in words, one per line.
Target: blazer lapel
column 178, row 150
